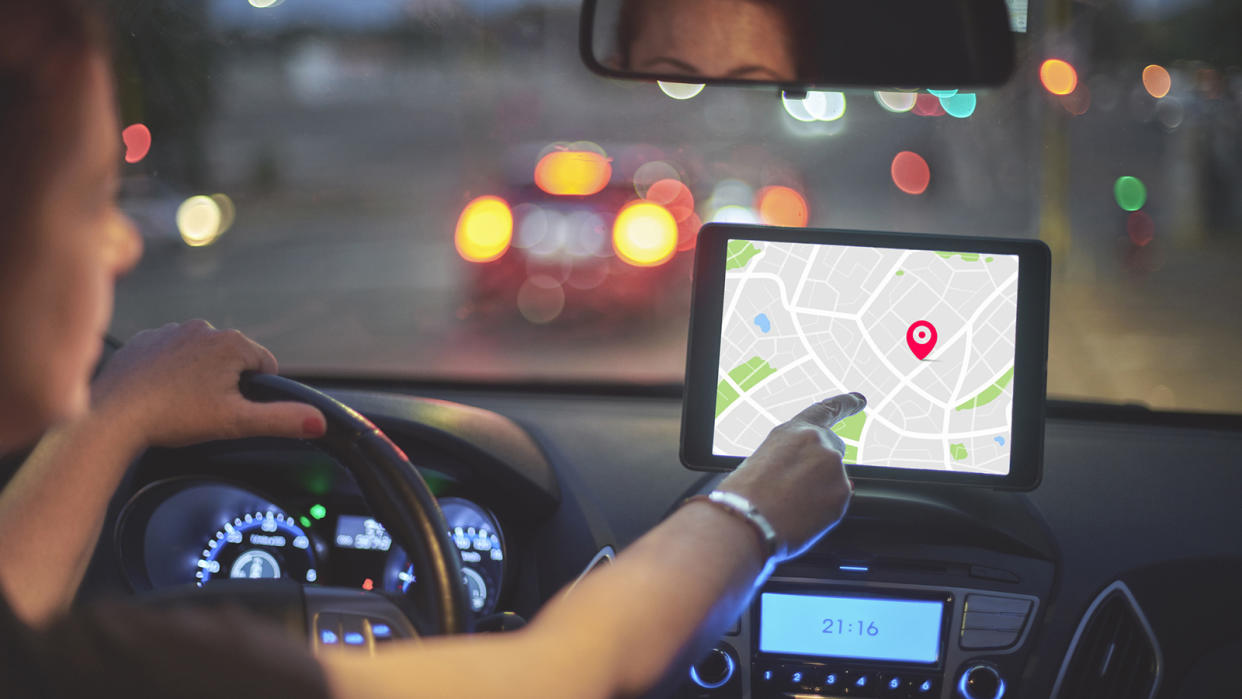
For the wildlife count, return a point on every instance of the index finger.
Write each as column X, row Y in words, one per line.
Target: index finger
column 829, row 411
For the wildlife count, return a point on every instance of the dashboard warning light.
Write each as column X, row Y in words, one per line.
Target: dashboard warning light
column 368, row 584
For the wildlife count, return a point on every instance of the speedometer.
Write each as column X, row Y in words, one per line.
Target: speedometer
column 261, row 544
column 478, row 539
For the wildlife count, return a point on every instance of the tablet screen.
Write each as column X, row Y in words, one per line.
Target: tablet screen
column 928, row 336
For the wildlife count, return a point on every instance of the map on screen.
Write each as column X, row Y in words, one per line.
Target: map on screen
column 927, row 336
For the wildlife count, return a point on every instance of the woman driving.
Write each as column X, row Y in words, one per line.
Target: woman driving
column 624, row 631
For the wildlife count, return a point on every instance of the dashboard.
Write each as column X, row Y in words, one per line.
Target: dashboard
column 1116, row 577
column 192, row 531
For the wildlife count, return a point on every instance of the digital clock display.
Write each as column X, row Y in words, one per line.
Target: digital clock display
column 860, row 628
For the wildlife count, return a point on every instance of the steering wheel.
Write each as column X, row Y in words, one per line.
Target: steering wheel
column 397, row 495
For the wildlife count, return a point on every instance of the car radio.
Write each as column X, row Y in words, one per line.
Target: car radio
column 821, row 638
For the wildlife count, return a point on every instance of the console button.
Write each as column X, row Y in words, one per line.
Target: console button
column 796, row 677
column 993, row 622
column 832, row 680
column 861, row 683
column 328, row 629
column 979, row 639
column 714, row 670
column 923, row 687
column 892, row 685
column 992, row 603
column 981, row 682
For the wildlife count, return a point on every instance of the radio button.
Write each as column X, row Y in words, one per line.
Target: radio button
column 993, row 622
column 924, row 687
column 994, row 604
column 766, row 676
column 893, row 685
column 981, row 682
column 861, row 683
column 979, row 639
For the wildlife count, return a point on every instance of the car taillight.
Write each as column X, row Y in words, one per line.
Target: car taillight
column 484, row 230
column 577, row 173
column 644, row 234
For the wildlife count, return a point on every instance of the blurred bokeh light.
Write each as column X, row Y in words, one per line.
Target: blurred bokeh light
column 1156, row 81
column 959, row 104
column 680, row 91
column 1140, row 228
column 484, row 230
column 137, row 140
column 1130, row 193
column 200, row 221
column 644, row 234
column 1058, row 76
column 910, row 172
column 782, row 206
column 896, row 102
column 578, row 173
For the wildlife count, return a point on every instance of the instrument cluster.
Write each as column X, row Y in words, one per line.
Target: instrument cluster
column 194, row 532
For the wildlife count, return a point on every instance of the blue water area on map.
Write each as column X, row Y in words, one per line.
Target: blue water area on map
column 999, row 440
column 762, row 321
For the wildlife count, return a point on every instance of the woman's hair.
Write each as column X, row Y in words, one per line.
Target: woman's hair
column 45, row 46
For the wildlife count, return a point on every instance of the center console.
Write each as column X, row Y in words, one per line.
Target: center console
column 909, row 597
column 808, row 637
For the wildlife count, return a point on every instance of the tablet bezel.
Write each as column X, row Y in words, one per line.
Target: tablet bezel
column 1030, row 355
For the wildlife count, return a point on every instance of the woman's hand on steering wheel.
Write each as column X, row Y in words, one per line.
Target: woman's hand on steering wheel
column 177, row 385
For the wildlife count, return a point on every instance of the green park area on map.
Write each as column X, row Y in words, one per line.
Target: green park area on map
column 990, row 393
column 746, row 375
column 739, row 253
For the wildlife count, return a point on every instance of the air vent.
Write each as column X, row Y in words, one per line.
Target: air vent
column 1114, row 653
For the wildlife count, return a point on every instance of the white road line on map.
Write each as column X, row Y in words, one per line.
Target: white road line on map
column 806, row 344
column 787, row 368
column 933, row 435
column 724, row 376
column 892, row 274
column 806, row 273
column 760, row 409
column 961, row 377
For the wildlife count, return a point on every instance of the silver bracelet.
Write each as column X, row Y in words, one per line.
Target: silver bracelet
column 738, row 506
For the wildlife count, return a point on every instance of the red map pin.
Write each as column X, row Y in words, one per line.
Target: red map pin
column 921, row 337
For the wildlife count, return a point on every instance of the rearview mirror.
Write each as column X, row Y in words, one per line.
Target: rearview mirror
column 802, row 43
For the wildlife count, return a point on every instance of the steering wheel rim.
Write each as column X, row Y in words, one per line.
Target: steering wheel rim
column 394, row 491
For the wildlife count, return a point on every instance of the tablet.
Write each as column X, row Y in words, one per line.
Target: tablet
column 946, row 336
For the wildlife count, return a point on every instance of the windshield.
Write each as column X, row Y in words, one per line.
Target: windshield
column 440, row 188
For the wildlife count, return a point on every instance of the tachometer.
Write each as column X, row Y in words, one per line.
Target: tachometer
column 260, row 544
column 482, row 550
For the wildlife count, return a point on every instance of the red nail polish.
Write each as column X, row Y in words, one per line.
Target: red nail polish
column 314, row 427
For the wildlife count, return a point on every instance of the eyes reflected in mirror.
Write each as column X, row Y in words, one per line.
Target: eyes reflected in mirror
column 729, row 39
column 877, row 44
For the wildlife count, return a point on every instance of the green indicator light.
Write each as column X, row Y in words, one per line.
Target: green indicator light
column 304, row 521
column 1130, row 193
column 318, row 511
